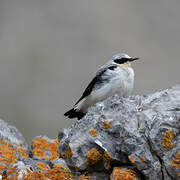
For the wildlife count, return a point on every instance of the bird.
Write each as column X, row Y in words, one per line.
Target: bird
column 114, row 77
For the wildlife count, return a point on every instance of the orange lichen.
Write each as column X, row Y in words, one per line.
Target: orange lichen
column 93, row 132
column 10, row 174
column 7, row 152
column 41, row 145
column 143, row 159
column 58, row 166
column 3, row 165
column 107, row 158
column 83, row 177
column 42, row 166
column 22, row 152
column 123, row 174
column 93, row 156
column 176, row 162
column 131, row 159
column 68, row 153
column 107, row 125
column 55, row 174
column 167, row 139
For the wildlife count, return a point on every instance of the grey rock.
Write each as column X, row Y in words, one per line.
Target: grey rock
column 144, row 134
column 11, row 134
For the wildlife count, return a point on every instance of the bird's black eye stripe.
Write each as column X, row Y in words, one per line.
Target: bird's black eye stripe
column 121, row 61
column 112, row 67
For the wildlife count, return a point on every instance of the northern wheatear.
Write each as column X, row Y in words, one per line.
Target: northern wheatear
column 116, row 76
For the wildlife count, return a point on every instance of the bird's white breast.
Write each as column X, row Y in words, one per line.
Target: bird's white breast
column 120, row 81
column 123, row 82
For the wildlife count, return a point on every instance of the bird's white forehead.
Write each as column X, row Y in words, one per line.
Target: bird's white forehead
column 118, row 56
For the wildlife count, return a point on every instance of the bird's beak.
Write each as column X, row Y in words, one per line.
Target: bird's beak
column 133, row 59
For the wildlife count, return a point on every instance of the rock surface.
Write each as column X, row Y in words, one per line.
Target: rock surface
column 18, row 161
column 139, row 132
column 134, row 138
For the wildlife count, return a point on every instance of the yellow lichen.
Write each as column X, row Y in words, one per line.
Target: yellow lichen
column 22, row 152
column 42, row 166
column 108, row 158
column 107, row 125
column 41, row 145
column 167, row 139
column 143, row 159
column 123, row 174
column 176, row 162
column 68, row 153
column 93, row 132
column 93, row 156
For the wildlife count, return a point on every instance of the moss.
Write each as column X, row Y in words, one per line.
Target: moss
column 107, row 125
column 176, row 162
column 123, row 174
column 93, row 132
column 167, row 139
column 41, row 145
column 93, row 156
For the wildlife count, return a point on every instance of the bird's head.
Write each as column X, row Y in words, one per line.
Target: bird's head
column 122, row 59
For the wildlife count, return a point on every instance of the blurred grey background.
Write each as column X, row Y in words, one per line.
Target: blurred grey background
column 49, row 51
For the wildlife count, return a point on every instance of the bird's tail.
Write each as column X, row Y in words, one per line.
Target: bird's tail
column 74, row 113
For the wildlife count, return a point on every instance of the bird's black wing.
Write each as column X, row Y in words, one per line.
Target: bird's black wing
column 96, row 80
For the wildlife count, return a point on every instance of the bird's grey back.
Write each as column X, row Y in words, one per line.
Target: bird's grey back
column 110, row 62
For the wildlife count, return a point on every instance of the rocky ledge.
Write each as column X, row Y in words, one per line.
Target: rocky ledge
column 134, row 138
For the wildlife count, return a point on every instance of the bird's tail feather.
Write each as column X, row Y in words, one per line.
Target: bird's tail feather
column 73, row 113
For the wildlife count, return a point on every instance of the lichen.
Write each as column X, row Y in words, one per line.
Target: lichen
column 123, row 174
column 143, row 159
column 107, row 125
column 42, row 166
column 167, row 139
column 93, row 132
column 54, row 174
column 93, row 156
column 83, row 177
column 68, row 153
column 107, row 158
column 41, row 145
column 22, row 152
column 131, row 159
column 10, row 174
column 7, row 152
column 176, row 162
